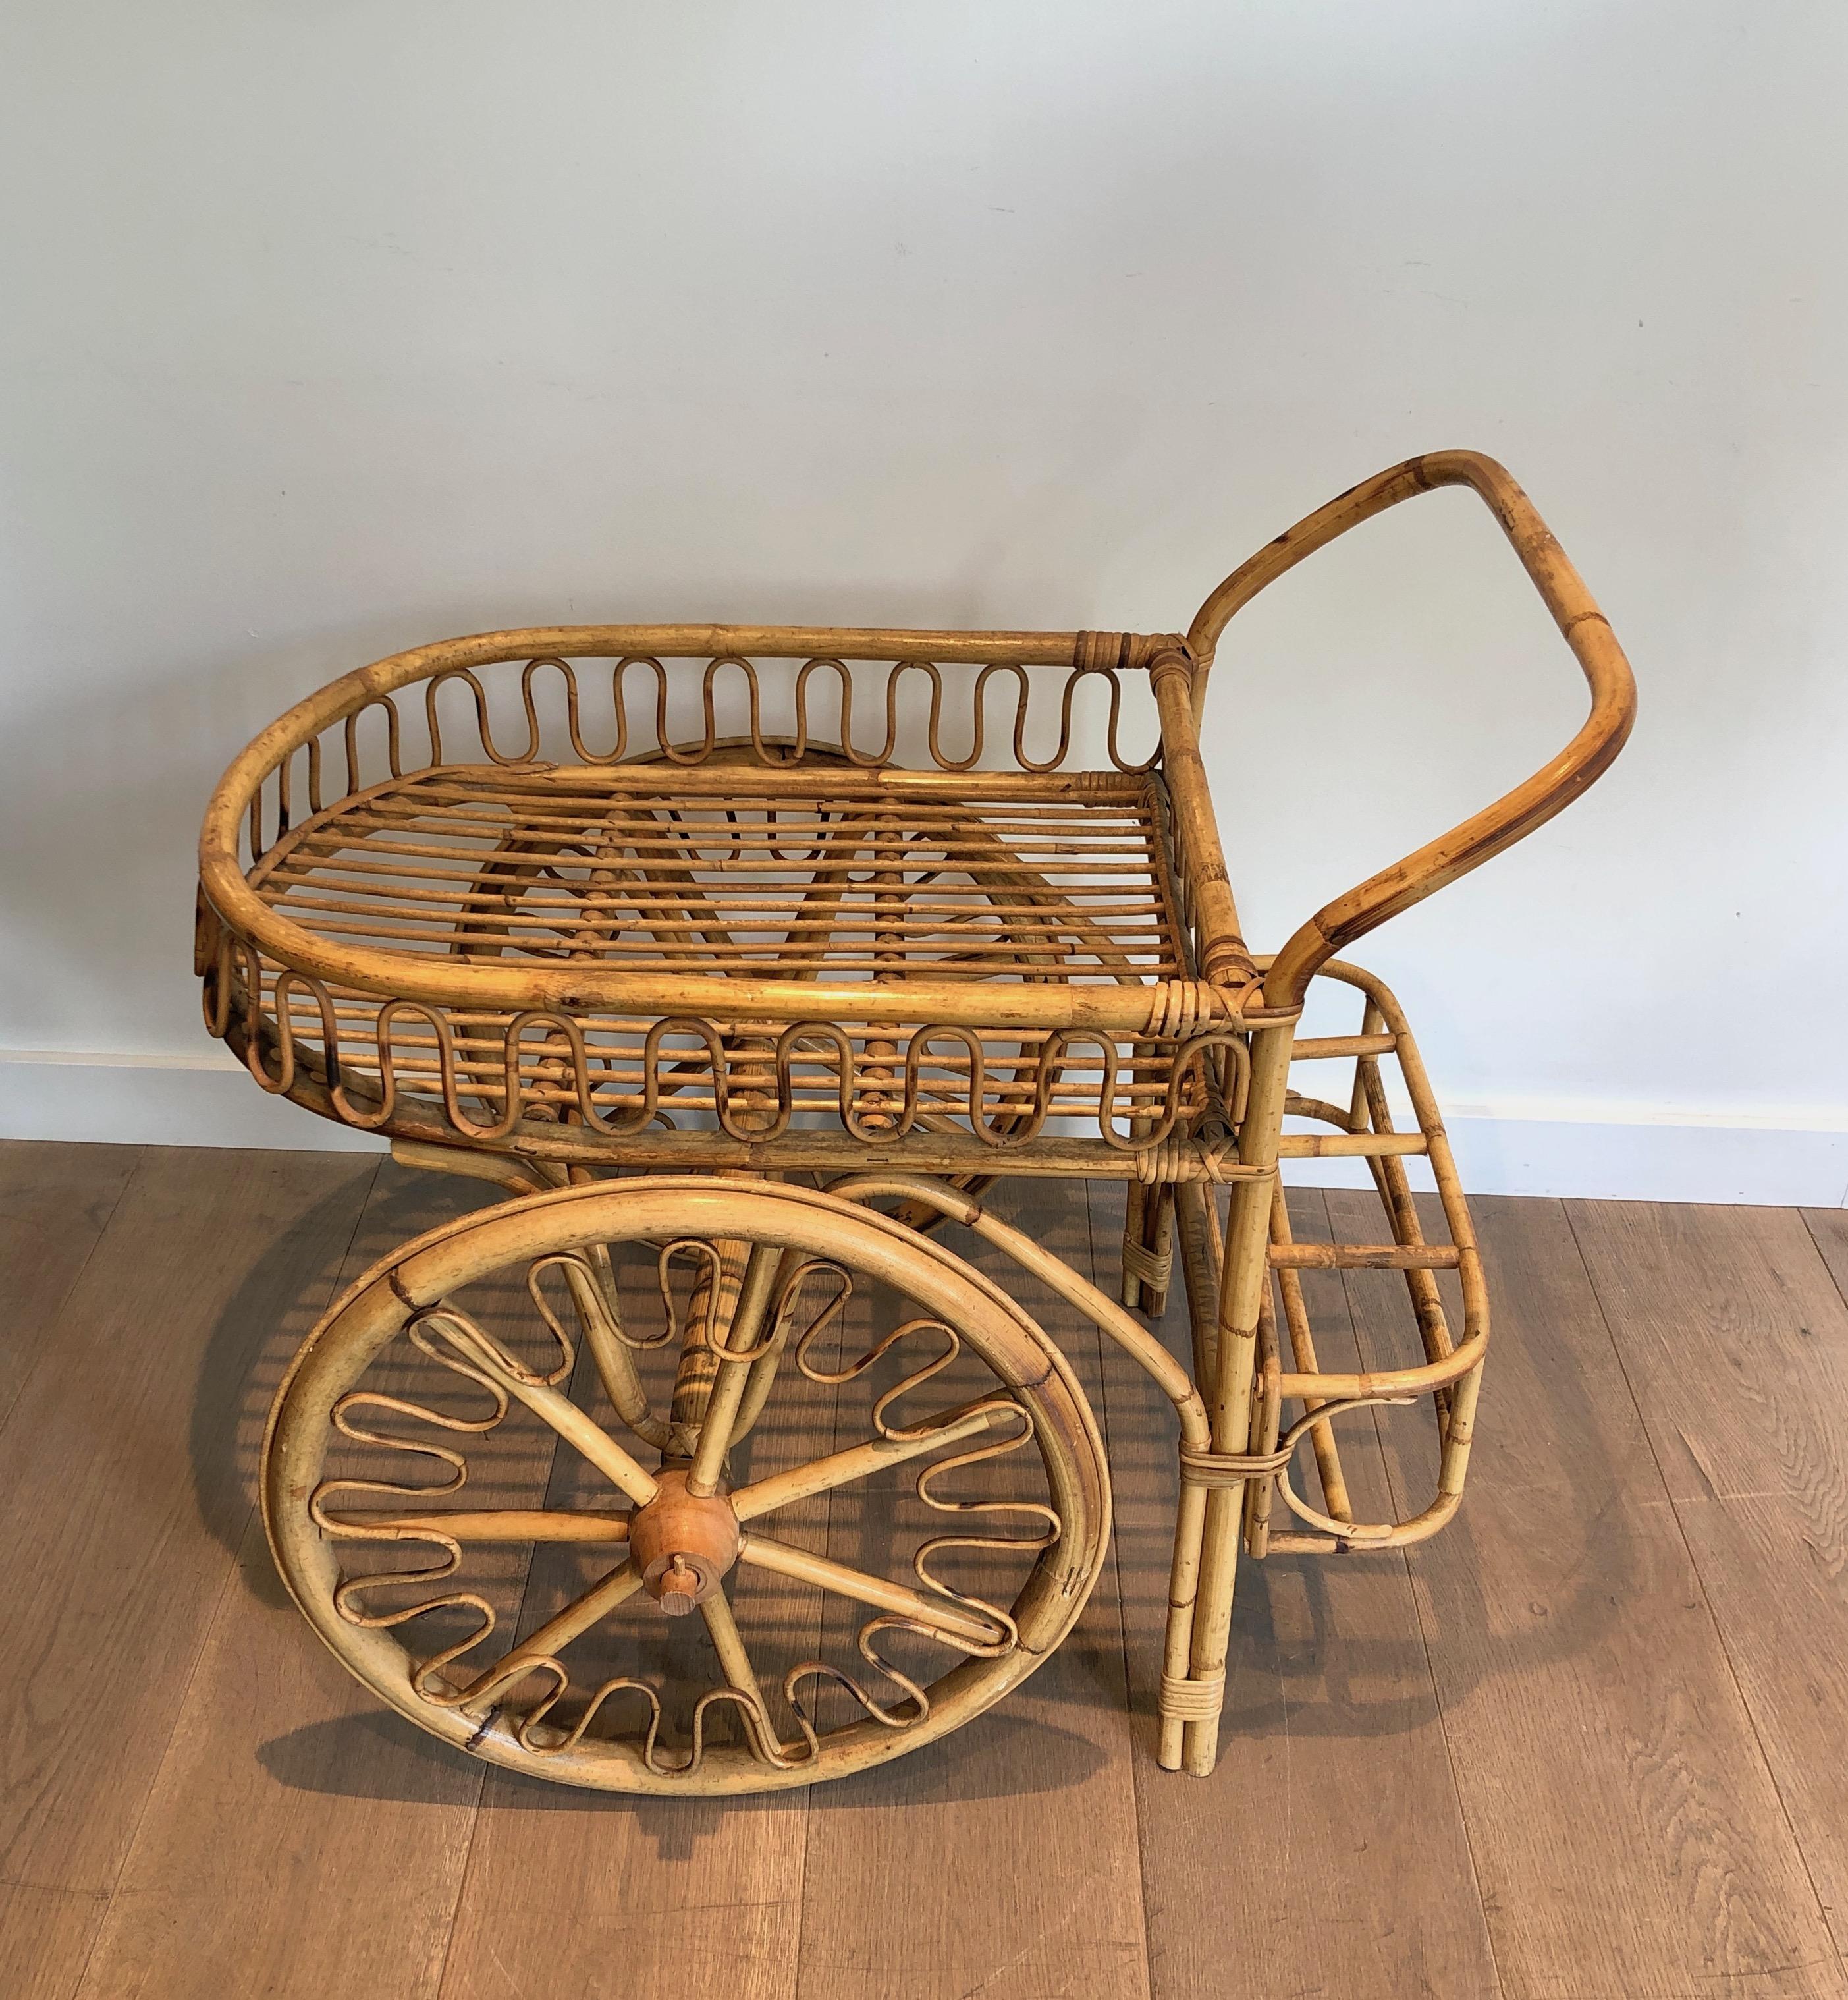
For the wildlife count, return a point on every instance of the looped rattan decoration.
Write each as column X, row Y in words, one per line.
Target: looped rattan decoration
column 447, row 1336
column 734, row 910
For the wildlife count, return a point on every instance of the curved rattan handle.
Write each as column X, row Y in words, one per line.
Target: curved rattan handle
column 1336, row 925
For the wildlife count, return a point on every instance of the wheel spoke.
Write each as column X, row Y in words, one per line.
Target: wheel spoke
column 582, row 1432
column 858, row 1461
column 577, row 1618
column 949, row 1620
column 728, row 1642
column 494, row 1525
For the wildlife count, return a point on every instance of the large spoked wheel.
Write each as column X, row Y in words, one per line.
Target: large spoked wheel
column 515, row 1455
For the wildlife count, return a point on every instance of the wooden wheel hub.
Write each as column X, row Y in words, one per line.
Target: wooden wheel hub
column 683, row 1545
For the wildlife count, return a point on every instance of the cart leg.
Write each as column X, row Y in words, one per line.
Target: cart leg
column 1245, row 1271
column 1198, row 1225
column 1183, row 1589
column 1148, row 1248
column 1135, row 1209
column 1161, row 1250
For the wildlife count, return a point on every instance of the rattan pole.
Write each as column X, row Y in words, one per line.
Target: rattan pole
column 859, row 1461
column 754, row 1293
column 582, row 1432
column 1302, row 1352
column 595, row 1301
column 938, row 1614
column 498, row 1524
column 1246, row 1272
column 557, row 1633
column 1202, row 1252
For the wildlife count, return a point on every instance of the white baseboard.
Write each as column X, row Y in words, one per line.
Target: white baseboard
column 207, row 1099
column 1636, row 1153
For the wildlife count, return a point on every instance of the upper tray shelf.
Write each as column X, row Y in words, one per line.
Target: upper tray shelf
column 840, row 875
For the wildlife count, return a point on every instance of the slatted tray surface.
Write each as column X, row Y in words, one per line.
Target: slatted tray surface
column 738, row 874
column 865, row 882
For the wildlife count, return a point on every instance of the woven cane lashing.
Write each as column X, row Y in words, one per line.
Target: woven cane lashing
column 1197, row 1698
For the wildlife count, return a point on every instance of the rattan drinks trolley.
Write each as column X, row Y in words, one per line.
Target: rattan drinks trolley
column 744, row 960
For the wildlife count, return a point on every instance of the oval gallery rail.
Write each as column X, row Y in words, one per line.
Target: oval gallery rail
column 743, row 961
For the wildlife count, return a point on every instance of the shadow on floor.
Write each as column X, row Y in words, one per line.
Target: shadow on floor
column 381, row 1756
column 256, row 1337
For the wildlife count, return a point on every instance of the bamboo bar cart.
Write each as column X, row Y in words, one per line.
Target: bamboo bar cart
column 743, row 960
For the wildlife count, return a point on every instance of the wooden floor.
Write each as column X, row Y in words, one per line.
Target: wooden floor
column 1587, row 1745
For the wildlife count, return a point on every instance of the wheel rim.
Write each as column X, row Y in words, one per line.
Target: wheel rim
column 1012, row 1479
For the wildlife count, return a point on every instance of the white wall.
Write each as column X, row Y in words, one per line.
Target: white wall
column 330, row 329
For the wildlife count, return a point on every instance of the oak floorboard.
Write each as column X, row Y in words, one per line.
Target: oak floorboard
column 1626, row 1833
column 55, row 1199
column 1326, row 1853
column 1828, row 1231
column 1735, row 1335
column 119, row 1538
column 1635, row 1629
column 1001, row 1859
column 568, row 1891
column 1735, row 1339
column 1828, row 1228
column 321, row 1783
